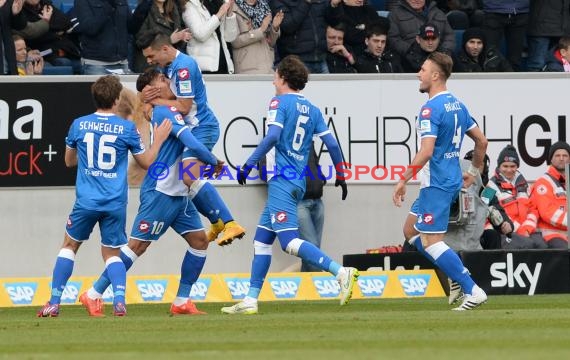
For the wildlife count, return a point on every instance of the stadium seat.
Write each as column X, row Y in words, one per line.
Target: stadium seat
column 379, row 5
column 458, row 40
column 58, row 70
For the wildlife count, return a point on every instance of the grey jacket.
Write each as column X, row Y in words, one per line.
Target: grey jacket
column 405, row 23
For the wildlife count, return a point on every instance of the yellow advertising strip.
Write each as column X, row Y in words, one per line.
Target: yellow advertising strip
column 231, row 287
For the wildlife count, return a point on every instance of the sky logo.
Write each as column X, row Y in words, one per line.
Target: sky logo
column 372, row 285
column 152, row 290
column 70, row 293
column 238, row 287
column 200, row 289
column 21, row 293
column 284, row 288
column 327, row 286
column 414, row 285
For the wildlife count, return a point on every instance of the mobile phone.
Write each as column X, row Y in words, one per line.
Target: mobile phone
column 46, row 52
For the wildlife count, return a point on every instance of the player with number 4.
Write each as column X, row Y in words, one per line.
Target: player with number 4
column 99, row 144
column 441, row 125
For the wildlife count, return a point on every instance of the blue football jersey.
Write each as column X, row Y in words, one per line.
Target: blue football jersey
column 169, row 156
column 102, row 142
column 447, row 119
column 300, row 122
column 186, row 82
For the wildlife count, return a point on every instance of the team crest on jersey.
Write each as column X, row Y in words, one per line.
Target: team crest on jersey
column 274, row 104
column 281, row 217
column 173, row 109
column 541, row 189
column 183, row 74
column 428, row 219
column 426, row 113
column 144, row 226
column 179, row 119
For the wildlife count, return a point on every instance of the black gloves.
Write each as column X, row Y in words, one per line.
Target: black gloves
column 342, row 184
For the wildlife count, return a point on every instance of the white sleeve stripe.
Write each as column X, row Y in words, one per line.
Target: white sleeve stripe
column 474, row 125
column 426, row 136
column 275, row 123
column 140, row 152
column 181, row 130
column 323, row 133
column 70, row 147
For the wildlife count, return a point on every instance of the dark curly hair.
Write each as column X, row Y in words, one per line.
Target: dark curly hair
column 294, row 72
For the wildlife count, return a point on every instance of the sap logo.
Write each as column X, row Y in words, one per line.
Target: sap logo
column 284, row 288
column 200, row 289
column 70, row 293
column 152, row 290
column 238, row 287
column 372, row 285
column 108, row 294
column 414, row 285
column 21, row 293
column 327, row 286
column 506, row 274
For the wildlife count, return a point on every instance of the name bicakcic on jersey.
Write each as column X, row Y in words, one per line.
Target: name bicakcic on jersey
column 343, row 171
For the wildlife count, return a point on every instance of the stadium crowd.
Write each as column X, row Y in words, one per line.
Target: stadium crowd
column 251, row 36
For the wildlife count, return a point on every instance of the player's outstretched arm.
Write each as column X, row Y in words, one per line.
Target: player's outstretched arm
column 161, row 133
column 268, row 142
column 336, row 155
column 203, row 154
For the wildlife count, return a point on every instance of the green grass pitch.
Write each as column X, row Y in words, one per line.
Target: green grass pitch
column 507, row 327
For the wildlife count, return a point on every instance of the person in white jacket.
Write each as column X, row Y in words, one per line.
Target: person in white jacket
column 210, row 34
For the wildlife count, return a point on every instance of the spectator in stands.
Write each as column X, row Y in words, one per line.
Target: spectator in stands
column 164, row 17
column 376, row 58
column 11, row 18
column 409, row 16
column 559, row 58
column 28, row 62
column 475, row 56
column 548, row 21
column 356, row 16
column 508, row 19
column 339, row 58
column 548, row 197
column 511, row 189
column 253, row 48
column 303, row 32
column 427, row 41
column 64, row 51
column 462, row 14
column 212, row 24
column 104, row 27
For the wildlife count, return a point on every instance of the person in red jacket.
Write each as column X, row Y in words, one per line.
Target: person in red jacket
column 512, row 191
column 548, row 196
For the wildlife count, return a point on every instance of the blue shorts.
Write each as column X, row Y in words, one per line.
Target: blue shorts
column 158, row 212
column 432, row 209
column 81, row 222
column 280, row 212
column 207, row 135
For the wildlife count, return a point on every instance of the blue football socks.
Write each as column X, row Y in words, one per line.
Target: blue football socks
column 209, row 202
column 191, row 268
column 118, row 276
column 61, row 273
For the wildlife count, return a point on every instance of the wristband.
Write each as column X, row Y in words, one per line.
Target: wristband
column 473, row 171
